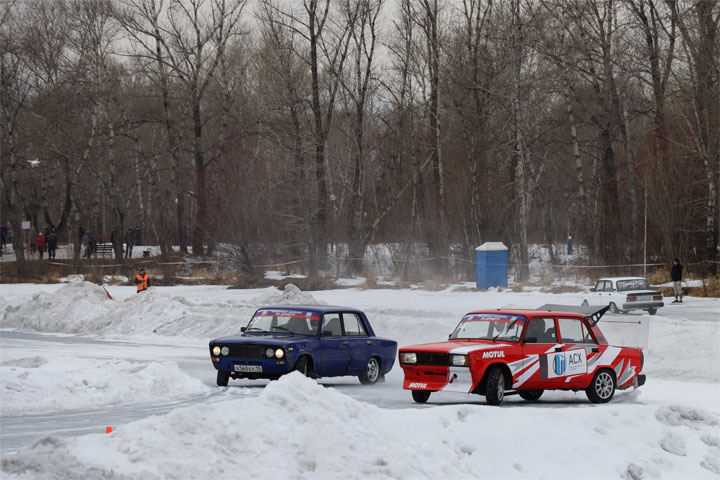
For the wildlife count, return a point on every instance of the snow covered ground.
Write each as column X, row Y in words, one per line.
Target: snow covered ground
column 139, row 363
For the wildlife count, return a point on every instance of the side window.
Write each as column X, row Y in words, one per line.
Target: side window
column 331, row 325
column 610, row 286
column 571, row 330
column 599, row 286
column 606, row 286
column 541, row 330
column 353, row 324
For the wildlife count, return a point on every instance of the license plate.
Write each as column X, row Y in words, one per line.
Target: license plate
column 248, row 368
column 644, row 299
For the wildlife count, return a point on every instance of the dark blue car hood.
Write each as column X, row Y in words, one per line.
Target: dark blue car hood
column 263, row 339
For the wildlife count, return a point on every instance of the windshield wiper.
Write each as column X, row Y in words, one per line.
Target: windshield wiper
column 282, row 328
column 256, row 329
column 506, row 329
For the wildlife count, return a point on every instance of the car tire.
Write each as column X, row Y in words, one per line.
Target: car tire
column 613, row 308
column 495, row 388
column 303, row 366
column 602, row 388
column 372, row 372
column 652, row 311
column 530, row 395
column 421, row 396
column 585, row 303
column 222, row 378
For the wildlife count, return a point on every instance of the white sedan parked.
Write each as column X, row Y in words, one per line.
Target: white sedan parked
column 623, row 294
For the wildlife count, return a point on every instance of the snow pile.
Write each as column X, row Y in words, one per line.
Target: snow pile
column 291, row 295
column 41, row 384
column 84, row 308
column 79, row 307
column 298, row 429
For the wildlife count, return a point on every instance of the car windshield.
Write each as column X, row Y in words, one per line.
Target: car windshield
column 633, row 284
column 489, row 326
column 292, row 322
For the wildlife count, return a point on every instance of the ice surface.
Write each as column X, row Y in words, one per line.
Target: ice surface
column 42, row 384
column 296, row 428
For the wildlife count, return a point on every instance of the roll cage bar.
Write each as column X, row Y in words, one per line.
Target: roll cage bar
column 591, row 313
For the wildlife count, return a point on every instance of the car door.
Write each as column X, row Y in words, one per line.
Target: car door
column 357, row 337
column 331, row 358
column 578, row 346
column 540, row 347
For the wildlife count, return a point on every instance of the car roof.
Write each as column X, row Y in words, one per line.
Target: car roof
column 527, row 312
column 311, row 308
column 622, row 278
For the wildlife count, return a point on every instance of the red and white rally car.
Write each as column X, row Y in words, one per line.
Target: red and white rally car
column 505, row 351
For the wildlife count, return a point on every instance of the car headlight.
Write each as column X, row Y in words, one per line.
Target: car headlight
column 459, row 360
column 216, row 350
column 408, row 357
column 279, row 353
column 225, row 350
column 269, row 352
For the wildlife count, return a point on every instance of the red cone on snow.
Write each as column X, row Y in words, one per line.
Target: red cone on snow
column 108, row 429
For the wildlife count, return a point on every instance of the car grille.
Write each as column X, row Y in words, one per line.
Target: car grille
column 433, row 359
column 246, row 351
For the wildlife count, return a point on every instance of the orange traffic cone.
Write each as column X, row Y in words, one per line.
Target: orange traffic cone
column 108, row 429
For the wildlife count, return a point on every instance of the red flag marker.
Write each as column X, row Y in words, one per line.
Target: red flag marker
column 108, row 429
column 108, row 294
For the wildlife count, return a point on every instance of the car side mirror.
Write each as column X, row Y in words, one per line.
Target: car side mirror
column 450, row 337
column 530, row 340
column 242, row 329
column 592, row 289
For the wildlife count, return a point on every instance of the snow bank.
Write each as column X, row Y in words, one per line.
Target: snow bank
column 291, row 295
column 40, row 384
column 84, row 308
column 298, row 429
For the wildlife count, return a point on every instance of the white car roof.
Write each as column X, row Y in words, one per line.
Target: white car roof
column 615, row 279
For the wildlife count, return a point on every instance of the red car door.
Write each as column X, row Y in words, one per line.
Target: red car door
column 578, row 348
column 540, row 348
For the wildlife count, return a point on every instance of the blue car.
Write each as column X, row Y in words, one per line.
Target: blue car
column 318, row 341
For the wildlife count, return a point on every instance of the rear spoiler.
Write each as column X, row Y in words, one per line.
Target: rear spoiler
column 591, row 313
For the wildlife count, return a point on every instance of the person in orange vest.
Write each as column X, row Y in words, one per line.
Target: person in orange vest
column 142, row 281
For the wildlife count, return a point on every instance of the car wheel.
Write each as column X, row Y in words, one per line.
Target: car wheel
column 371, row 373
column 585, row 303
column 613, row 308
column 495, row 389
column 652, row 311
column 530, row 395
column 421, row 396
column 222, row 378
column 602, row 388
column 303, row 366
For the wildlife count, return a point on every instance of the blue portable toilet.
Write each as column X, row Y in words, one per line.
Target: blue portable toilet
column 491, row 264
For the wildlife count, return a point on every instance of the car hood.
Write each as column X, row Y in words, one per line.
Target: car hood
column 457, row 346
column 262, row 339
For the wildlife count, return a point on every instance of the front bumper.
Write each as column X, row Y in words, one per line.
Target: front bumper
column 270, row 367
column 642, row 305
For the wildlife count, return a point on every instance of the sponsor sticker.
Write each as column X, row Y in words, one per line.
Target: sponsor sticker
column 417, row 385
column 494, row 354
column 561, row 364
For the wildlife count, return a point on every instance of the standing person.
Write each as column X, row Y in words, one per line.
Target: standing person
column 138, row 237
column 142, row 281
column 570, row 245
column 52, row 243
column 86, row 242
column 676, row 276
column 41, row 244
column 32, row 238
column 129, row 242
